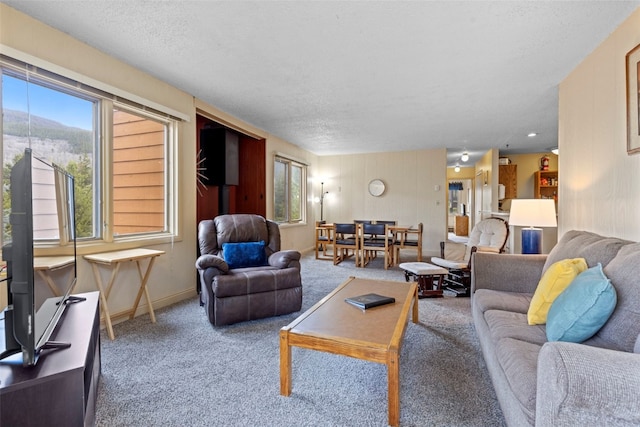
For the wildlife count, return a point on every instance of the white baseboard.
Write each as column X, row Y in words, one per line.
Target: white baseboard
column 122, row 316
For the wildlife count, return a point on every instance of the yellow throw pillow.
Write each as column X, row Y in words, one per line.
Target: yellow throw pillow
column 555, row 280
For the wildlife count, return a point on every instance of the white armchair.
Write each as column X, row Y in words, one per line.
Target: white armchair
column 489, row 235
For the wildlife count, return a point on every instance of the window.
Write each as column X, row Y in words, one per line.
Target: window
column 59, row 126
column 289, row 190
column 118, row 152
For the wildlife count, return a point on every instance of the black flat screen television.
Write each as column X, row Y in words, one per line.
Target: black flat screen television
column 42, row 214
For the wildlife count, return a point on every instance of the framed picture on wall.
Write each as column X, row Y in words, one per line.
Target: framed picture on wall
column 633, row 100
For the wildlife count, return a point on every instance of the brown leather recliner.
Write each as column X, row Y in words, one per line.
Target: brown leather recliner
column 270, row 286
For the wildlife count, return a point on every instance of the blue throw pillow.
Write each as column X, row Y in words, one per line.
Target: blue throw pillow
column 582, row 308
column 245, row 254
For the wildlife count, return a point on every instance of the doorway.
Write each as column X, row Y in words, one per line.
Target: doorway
column 460, row 205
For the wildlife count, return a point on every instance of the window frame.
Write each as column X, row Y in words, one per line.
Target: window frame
column 104, row 104
column 289, row 163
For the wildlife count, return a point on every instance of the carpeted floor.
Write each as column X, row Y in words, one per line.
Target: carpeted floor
column 182, row 371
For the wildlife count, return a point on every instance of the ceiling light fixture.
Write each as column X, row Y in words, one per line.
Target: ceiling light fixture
column 465, row 156
column 532, row 134
column 457, row 168
column 555, row 151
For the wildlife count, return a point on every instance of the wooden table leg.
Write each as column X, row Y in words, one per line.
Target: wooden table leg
column 143, row 288
column 49, row 281
column 103, row 301
column 393, row 374
column 415, row 307
column 285, row 363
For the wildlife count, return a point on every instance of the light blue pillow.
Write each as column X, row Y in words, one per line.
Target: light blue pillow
column 582, row 308
column 244, row 254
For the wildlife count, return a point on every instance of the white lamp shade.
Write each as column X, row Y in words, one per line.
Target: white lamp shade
column 533, row 213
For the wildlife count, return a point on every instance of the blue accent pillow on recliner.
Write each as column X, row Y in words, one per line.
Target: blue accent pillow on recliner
column 244, row 254
column 582, row 308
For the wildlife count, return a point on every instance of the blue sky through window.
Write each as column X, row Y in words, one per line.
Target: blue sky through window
column 44, row 102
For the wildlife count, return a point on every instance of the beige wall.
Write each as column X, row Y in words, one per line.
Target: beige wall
column 173, row 276
column 467, row 172
column 528, row 164
column 415, row 190
column 599, row 183
column 485, row 181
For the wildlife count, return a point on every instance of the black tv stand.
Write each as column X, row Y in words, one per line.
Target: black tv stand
column 62, row 387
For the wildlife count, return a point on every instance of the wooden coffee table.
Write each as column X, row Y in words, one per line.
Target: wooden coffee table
column 334, row 326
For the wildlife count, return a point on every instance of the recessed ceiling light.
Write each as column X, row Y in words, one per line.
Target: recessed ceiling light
column 532, row 134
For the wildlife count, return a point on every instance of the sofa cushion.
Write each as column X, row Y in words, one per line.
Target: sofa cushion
column 519, row 361
column 583, row 244
column 506, row 324
column 623, row 326
column 583, row 308
column 489, row 299
column 554, row 280
column 244, row 254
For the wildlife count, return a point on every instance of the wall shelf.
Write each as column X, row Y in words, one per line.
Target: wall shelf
column 545, row 185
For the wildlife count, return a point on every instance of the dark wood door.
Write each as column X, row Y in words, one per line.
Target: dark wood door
column 249, row 196
column 251, row 193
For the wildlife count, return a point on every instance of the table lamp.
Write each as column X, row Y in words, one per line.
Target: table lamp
column 532, row 213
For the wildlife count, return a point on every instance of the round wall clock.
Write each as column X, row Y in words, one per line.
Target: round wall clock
column 376, row 187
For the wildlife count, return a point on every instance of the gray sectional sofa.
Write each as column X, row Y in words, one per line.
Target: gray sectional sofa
column 542, row 383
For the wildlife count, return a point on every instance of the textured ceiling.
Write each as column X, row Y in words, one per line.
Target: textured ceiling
column 337, row 77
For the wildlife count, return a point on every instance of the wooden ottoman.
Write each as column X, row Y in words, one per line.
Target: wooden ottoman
column 429, row 277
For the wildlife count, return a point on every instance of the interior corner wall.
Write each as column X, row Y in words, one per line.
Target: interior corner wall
column 599, row 183
column 416, row 190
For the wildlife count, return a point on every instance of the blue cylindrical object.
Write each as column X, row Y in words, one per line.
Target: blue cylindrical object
column 531, row 240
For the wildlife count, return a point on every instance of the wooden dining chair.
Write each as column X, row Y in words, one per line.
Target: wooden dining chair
column 375, row 238
column 345, row 242
column 324, row 240
column 410, row 238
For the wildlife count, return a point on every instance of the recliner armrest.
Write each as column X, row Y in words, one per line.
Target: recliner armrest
column 205, row 261
column 285, row 259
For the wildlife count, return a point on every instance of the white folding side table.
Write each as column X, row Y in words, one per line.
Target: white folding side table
column 44, row 265
column 114, row 260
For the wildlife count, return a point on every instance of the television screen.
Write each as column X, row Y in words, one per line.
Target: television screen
column 39, row 236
